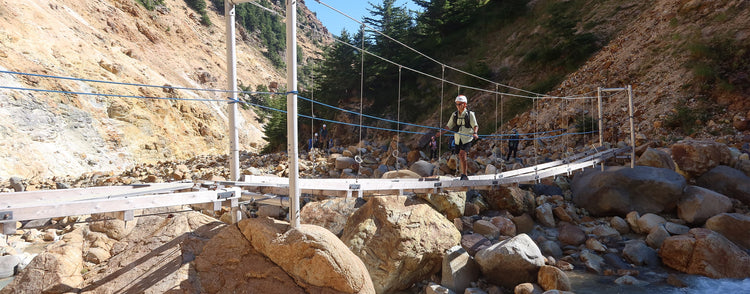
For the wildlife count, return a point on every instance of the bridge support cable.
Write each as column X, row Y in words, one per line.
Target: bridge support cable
column 291, row 118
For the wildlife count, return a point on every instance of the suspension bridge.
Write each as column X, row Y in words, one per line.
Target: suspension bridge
column 123, row 201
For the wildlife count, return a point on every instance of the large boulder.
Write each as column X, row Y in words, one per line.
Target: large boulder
column 401, row 240
column 698, row 204
column 330, row 213
column 155, row 257
column 693, row 158
column 511, row 262
column 422, row 168
column 656, row 158
column 400, row 174
column 727, row 181
column 733, row 226
column 705, row 252
column 57, row 270
column 450, row 203
column 114, row 228
column 459, row 270
column 620, row 190
column 268, row 256
column 513, row 199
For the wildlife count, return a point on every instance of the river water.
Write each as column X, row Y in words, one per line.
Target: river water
column 586, row 283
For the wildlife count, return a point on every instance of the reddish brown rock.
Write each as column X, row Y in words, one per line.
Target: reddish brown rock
column 705, row 252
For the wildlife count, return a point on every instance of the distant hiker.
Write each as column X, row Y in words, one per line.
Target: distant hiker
column 313, row 142
column 513, row 145
column 464, row 123
column 324, row 137
column 433, row 148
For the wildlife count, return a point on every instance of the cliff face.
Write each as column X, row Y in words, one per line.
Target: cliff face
column 63, row 131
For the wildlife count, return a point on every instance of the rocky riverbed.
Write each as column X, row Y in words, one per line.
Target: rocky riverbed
column 680, row 215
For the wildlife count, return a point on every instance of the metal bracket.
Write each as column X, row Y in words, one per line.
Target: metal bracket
column 495, row 183
column 224, row 195
column 354, row 186
column 6, row 215
column 438, row 185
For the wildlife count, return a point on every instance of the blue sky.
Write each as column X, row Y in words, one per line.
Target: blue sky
column 357, row 9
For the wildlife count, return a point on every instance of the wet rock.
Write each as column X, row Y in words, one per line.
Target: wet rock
column 649, row 222
column 592, row 261
column 595, row 245
column 704, row 252
column 551, row 248
column 571, row 234
column 628, row 280
column 528, row 288
column 632, row 219
column 676, row 229
column 638, row 253
column 657, row 237
column 552, row 278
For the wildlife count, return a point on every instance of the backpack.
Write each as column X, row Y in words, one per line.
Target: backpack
column 467, row 120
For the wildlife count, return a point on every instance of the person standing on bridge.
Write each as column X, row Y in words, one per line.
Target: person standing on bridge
column 464, row 125
column 513, row 145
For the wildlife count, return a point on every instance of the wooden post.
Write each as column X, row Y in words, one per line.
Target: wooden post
column 632, row 129
column 601, row 122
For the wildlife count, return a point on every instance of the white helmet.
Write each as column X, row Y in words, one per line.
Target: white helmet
column 461, row 98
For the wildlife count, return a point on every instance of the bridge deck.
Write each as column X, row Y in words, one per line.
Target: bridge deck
column 121, row 201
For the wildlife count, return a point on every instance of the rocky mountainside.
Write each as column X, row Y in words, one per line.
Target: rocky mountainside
column 57, row 132
column 660, row 54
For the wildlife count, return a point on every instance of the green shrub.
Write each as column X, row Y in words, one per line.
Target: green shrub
column 150, row 4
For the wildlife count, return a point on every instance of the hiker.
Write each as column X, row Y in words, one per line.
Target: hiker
column 433, row 148
column 313, row 142
column 513, row 145
column 464, row 125
column 324, row 137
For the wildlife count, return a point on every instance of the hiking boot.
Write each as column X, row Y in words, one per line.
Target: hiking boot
column 464, row 177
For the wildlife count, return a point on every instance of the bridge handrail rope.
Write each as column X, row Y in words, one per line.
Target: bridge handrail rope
column 455, row 83
column 275, row 109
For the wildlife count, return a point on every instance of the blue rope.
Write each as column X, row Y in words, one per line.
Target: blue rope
column 132, row 84
column 229, row 100
column 109, row 95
